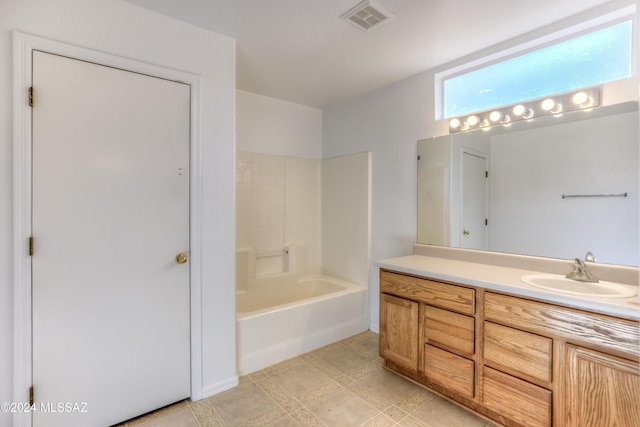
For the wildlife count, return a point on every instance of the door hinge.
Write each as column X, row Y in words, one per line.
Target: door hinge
column 31, row 96
column 30, row 246
column 486, row 174
column 31, row 400
column 486, row 221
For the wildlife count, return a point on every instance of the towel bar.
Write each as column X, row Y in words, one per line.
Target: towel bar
column 565, row 196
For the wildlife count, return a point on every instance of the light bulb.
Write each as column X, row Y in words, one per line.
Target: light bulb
column 464, row 126
column 454, row 123
column 484, row 123
column 473, row 120
column 580, row 98
column 495, row 116
column 548, row 104
column 519, row 110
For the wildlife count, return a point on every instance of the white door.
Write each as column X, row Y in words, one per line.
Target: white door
column 474, row 201
column 111, row 336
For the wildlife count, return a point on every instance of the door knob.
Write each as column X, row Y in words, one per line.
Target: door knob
column 181, row 258
column 466, row 232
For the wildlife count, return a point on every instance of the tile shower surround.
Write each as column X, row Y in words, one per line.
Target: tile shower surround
column 343, row 384
column 278, row 203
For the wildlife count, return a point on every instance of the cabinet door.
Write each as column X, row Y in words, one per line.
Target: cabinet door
column 600, row 390
column 399, row 331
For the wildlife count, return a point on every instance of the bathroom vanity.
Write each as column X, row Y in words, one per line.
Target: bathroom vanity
column 520, row 356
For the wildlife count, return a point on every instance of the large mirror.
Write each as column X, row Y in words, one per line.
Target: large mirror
column 555, row 186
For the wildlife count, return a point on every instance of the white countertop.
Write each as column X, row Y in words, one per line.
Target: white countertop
column 508, row 280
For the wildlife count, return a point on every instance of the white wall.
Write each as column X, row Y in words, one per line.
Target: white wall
column 122, row 29
column 271, row 126
column 388, row 122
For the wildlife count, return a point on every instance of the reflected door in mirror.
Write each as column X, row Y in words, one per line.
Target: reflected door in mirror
column 474, row 201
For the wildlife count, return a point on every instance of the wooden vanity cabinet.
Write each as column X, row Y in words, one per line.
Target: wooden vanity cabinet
column 517, row 361
column 445, row 333
column 588, row 362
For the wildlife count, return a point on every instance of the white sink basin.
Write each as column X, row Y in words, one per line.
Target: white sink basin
column 558, row 283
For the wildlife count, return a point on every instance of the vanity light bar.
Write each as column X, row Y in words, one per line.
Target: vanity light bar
column 556, row 105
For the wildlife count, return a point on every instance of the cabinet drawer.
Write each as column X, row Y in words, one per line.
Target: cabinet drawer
column 517, row 352
column 551, row 320
column 449, row 370
column 517, row 400
column 443, row 295
column 450, row 331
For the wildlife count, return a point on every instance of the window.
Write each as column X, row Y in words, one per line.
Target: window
column 590, row 59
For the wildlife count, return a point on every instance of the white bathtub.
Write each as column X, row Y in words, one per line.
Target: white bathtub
column 279, row 321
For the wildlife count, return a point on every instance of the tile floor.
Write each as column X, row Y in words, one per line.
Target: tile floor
column 340, row 385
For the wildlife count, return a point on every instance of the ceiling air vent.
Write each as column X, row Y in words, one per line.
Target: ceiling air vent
column 366, row 15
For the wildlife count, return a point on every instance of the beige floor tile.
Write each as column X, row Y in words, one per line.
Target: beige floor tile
column 300, row 379
column 368, row 341
column 157, row 414
column 205, row 414
column 181, row 418
column 371, row 398
column 395, row 413
column 344, row 358
column 341, row 408
column 306, row 419
column 412, row 422
column 415, row 400
column 274, row 390
column 264, row 418
column 341, row 385
column 285, row 421
column 388, row 385
column 242, row 403
column 380, row 420
column 439, row 412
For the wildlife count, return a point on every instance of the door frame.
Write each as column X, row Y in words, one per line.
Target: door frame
column 23, row 45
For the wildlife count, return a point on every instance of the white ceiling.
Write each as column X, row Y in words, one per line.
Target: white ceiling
column 301, row 51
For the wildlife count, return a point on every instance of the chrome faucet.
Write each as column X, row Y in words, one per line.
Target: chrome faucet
column 581, row 273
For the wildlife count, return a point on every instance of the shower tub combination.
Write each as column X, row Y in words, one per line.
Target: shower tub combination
column 283, row 316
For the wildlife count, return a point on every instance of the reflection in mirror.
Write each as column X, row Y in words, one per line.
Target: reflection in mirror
column 555, row 186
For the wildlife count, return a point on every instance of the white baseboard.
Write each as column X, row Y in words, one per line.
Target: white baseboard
column 219, row 387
